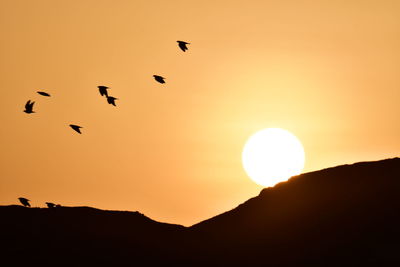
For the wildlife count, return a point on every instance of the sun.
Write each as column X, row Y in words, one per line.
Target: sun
column 272, row 155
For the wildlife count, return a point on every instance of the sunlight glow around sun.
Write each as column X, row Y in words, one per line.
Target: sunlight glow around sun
column 272, row 155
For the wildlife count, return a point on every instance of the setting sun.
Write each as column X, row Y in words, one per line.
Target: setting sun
column 272, row 155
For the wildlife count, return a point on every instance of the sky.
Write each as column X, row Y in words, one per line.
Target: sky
column 327, row 71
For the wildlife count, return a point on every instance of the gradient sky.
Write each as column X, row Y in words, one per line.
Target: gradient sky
column 327, row 71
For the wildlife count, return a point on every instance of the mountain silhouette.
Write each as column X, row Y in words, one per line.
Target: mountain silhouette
column 347, row 215
column 66, row 236
column 341, row 216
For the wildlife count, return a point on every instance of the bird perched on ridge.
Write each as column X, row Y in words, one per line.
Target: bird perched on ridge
column 24, row 201
column 50, row 205
column 77, row 128
column 103, row 90
column 43, row 93
column 159, row 79
column 29, row 107
column 111, row 100
column 183, row 45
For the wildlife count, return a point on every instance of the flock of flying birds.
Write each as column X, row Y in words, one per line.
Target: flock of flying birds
column 103, row 92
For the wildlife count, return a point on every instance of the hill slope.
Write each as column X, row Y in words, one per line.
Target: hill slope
column 68, row 235
column 347, row 214
column 342, row 216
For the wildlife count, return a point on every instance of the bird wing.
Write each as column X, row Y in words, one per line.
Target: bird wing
column 76, row 128
column 24, row 201
column 43, row 93
column 111, row 100
column 183, row 46
column 159, row 79
column 103, row 90
column 27, row 105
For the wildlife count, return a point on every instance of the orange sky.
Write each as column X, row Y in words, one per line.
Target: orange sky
column 327, row 71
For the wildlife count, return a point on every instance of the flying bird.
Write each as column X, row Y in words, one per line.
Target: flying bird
column 76, row 128
column 50, row 205
column 24, row 201
column 183, row 45
column 111, row 100
column 29, row 107
column 103, row 90
column 43, row 93
column 159, row 79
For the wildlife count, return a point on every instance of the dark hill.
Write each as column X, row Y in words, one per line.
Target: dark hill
column 77, row 236
column 347, row 215
column 342, row 216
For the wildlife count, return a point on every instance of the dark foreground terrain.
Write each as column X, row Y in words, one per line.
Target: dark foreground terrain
column 342, row 216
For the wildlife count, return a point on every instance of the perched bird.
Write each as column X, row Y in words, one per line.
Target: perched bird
column 43, row 93
column 103, row 90
column 24, row 201
column 29, row 107
column 50, row 205
column 182, row 45
column 111, row 100
column 76, row 128
column 159, row 79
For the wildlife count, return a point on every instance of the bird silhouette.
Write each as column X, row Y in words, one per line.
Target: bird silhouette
column 103, row 90
column 43, row 93
column 183, row 45
column 111, row 100
column 29, row 107
column 76, row 128
column 24, row 201
column 50, row 205
column 159, row 79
